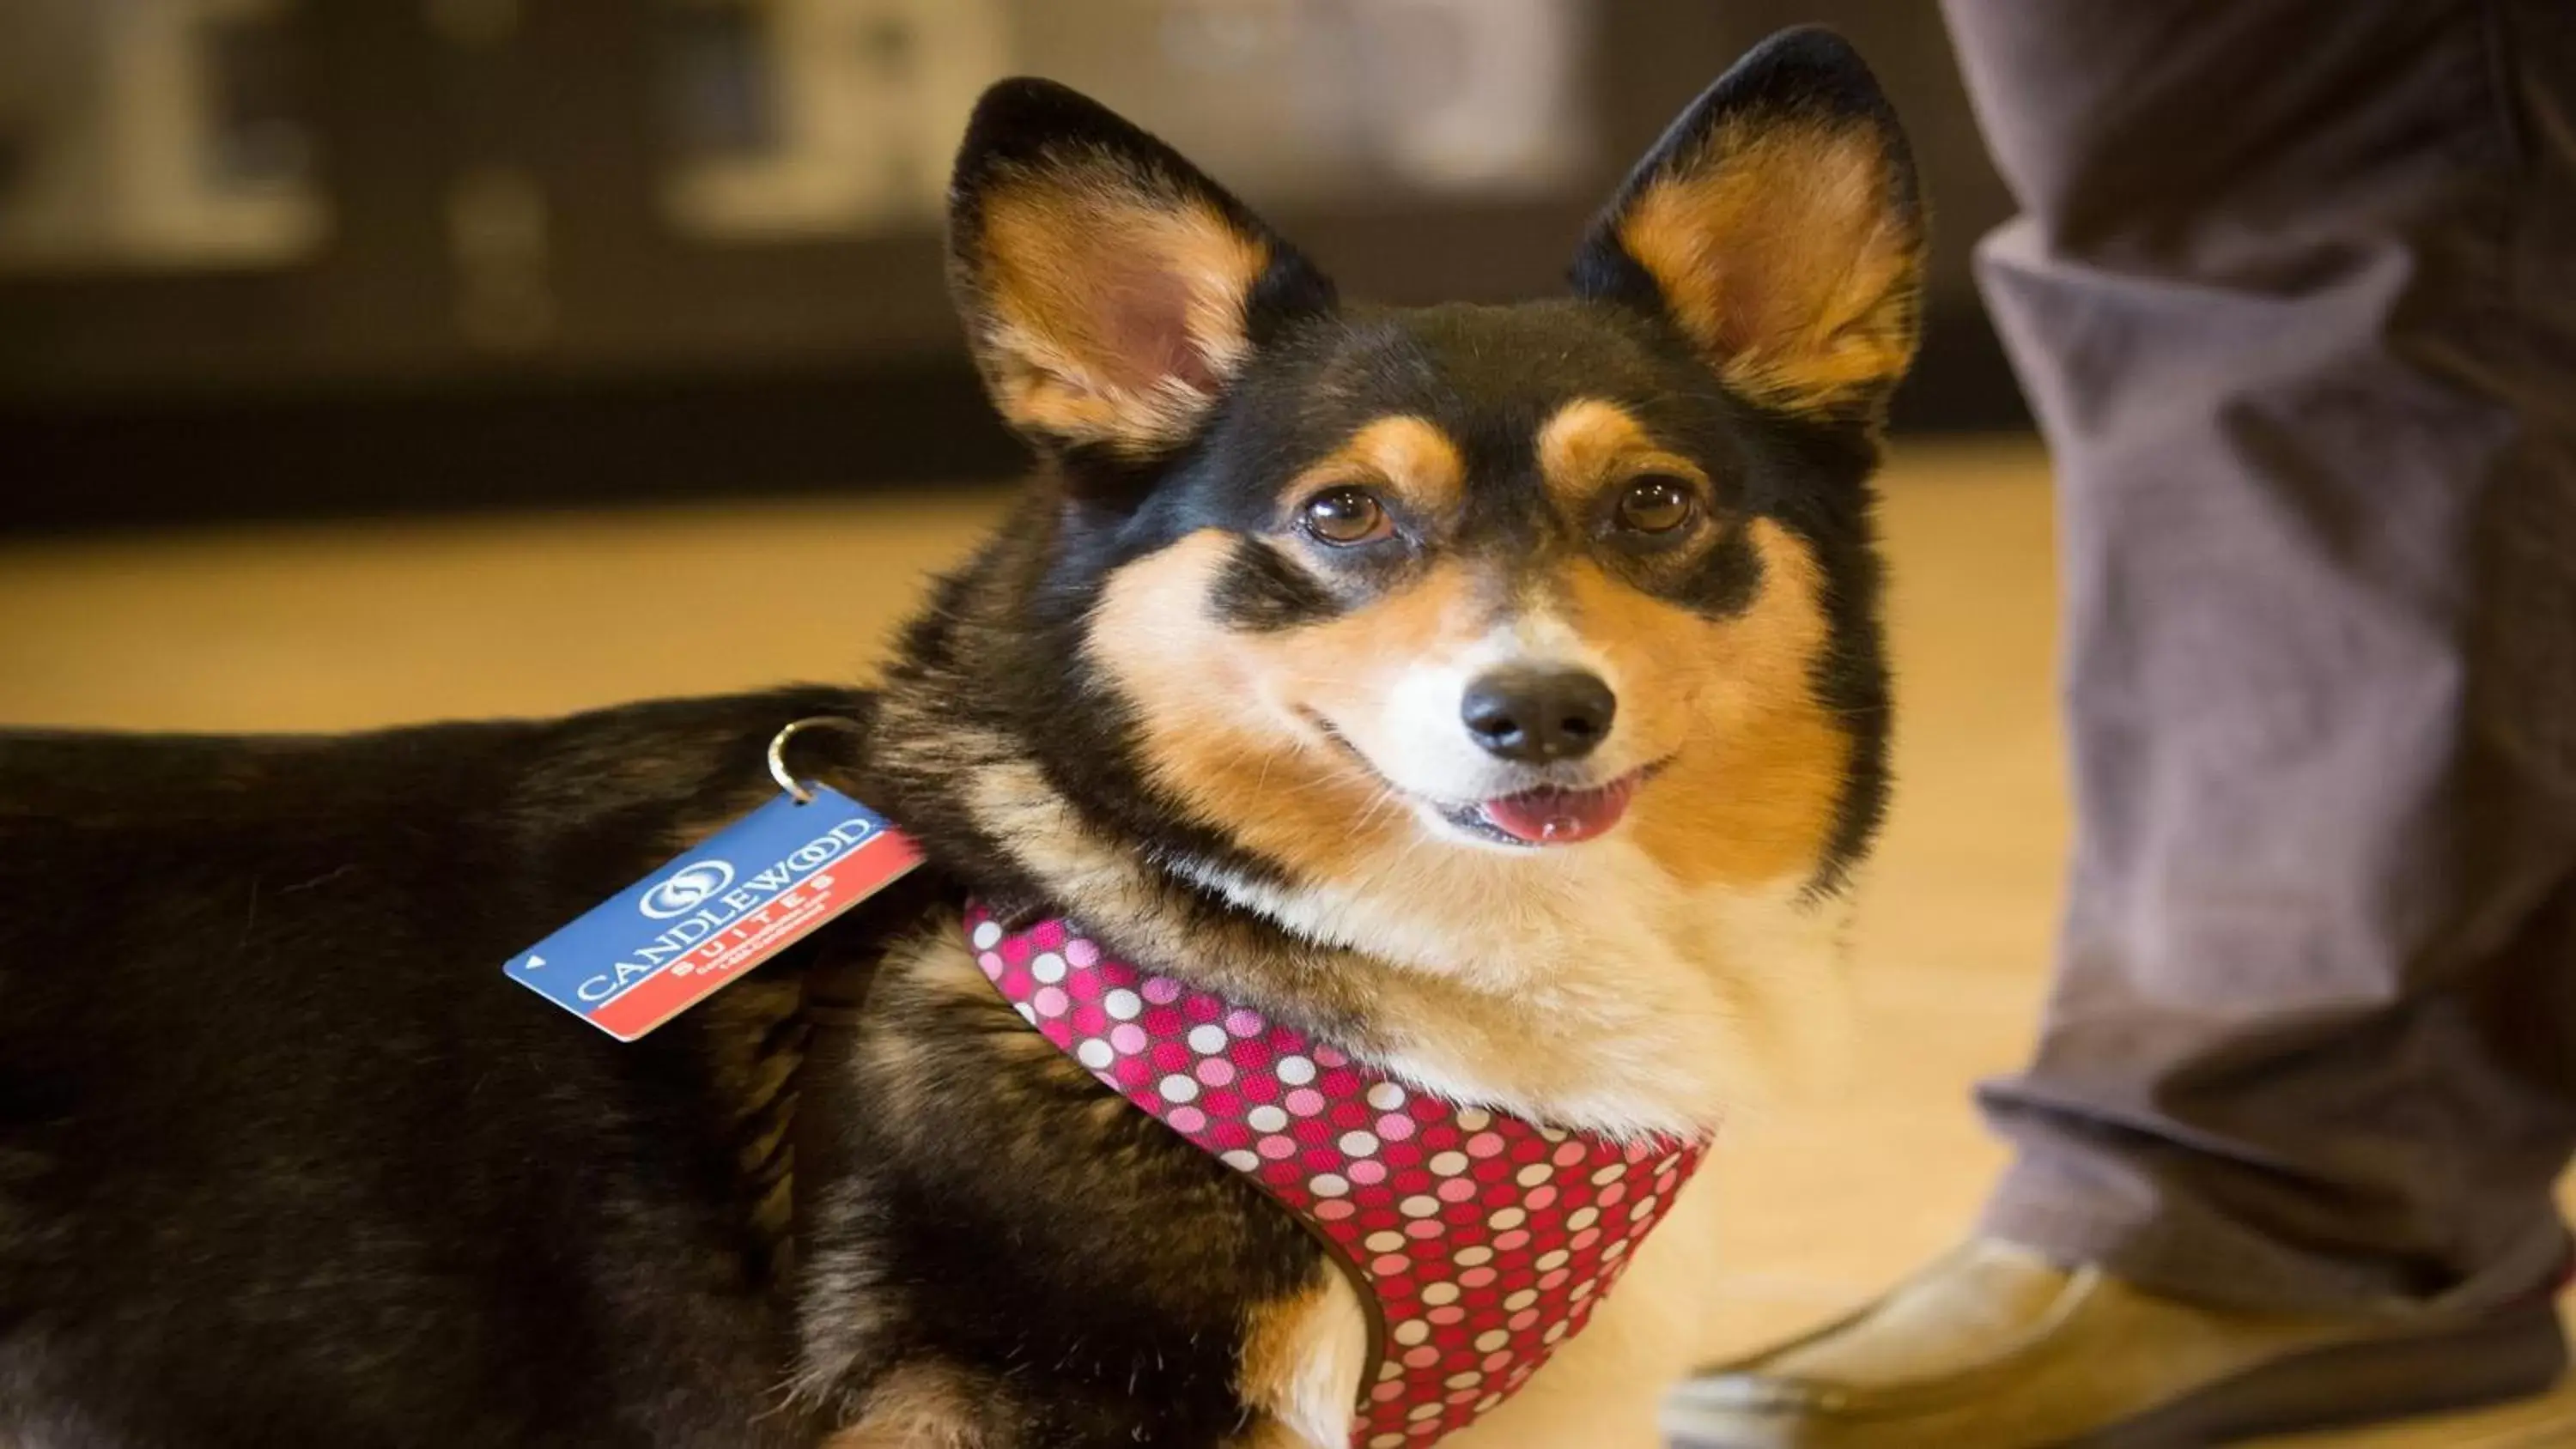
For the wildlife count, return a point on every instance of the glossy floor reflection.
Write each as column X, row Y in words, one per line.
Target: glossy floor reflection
column 347, row 626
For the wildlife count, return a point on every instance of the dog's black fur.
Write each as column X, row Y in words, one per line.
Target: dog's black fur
column 285, row 1161
column 280, row 1167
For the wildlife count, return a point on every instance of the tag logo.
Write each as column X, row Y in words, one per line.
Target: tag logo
column 685, row 890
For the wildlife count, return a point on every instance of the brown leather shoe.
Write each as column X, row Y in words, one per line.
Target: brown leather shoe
column 1995, row 1347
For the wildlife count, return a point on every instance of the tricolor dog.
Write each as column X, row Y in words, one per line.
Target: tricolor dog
column 1387, row 793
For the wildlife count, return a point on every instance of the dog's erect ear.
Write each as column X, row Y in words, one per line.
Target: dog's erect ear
column 1778, row 225
column 1110, row 291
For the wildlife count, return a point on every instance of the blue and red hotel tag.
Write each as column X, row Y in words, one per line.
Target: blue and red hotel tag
column 686, row 931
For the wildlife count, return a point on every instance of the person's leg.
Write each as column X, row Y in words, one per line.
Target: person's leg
column 2294, row 295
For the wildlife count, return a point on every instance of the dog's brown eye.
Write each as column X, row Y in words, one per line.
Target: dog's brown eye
column 1346, row 516
column 1655, row 504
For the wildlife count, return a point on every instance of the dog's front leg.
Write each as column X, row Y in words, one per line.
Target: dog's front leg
column 1302, row 1363
column 1601, row 1389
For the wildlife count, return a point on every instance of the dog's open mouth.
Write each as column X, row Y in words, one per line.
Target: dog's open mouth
column 1549, row 816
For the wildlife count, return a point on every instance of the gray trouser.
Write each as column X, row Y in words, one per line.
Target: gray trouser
column 2294, row 294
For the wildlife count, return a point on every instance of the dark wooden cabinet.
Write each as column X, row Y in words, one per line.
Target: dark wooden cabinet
column 601, row 249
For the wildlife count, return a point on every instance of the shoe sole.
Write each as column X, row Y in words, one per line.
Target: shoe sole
column 2514, row 1355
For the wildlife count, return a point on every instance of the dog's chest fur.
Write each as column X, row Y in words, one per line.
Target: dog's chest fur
column 1245, row 1312
column 1602, row 994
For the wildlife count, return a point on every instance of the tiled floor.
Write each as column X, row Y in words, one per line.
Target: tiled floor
column 339, row 627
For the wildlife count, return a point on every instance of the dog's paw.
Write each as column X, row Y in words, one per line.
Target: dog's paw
column 918, row 1406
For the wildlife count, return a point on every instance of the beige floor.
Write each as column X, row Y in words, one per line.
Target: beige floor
column 346, row 626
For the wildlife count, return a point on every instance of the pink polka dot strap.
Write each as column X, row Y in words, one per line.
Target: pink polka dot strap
column 1486, row 1239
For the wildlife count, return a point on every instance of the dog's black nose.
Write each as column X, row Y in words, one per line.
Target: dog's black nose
column 1537, row 715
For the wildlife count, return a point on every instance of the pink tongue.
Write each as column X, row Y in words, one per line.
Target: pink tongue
column 1560, row 817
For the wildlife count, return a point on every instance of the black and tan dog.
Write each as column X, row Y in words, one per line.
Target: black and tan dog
column 1494, row 691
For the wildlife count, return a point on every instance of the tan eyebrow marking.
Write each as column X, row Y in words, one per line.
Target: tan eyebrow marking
column 1589, row 444
column 1410, row 455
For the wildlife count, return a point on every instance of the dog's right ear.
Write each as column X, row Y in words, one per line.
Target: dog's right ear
column 1111, row 292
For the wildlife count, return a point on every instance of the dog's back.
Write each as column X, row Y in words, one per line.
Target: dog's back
column 276, row 1139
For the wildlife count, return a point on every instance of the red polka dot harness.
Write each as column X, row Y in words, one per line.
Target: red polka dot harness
column 1485, row 1239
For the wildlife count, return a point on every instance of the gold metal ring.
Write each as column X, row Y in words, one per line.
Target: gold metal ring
column 778, row 751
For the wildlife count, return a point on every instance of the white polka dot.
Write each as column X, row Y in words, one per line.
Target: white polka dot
column 986, row 933
column 1412, row 1331
column 1554, row 1332
column 1491, row 1340
column 1266, row 1119
column 1027, row 1012
column 1615, row 1251
column 1582, row 1217
column 1534, row 1174
column 1505, row 1219
column 1328, row 1184
column 1487, row 1404
column 1418, row 1206
column 1449, row 1164
column 1582, row 1290
column 1295, row 1071
column 1386, row 1096
column 1552, row 1134
column 1095, row 1054
column 1177, row 1088
column 1048, row 967
column 1645, row 1207
column 1553, row 1259
column 1424, row 1411
column 1208, row 1038
column 1387, row 1441
column 1608, row 1175
column 1475, row 1257
column 1242, row 1161
column 1358, row 1144
column 1467, row 1380
column 1384, row 1242
column 1437, row 1294
column 1123, row 1004
column 1474, row 1120
column 1521, row 1300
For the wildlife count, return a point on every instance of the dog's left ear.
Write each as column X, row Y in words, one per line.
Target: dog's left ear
column 1779, row 226
column 1110, row 291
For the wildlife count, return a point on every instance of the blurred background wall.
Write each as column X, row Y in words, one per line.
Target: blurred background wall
column 266, row 258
